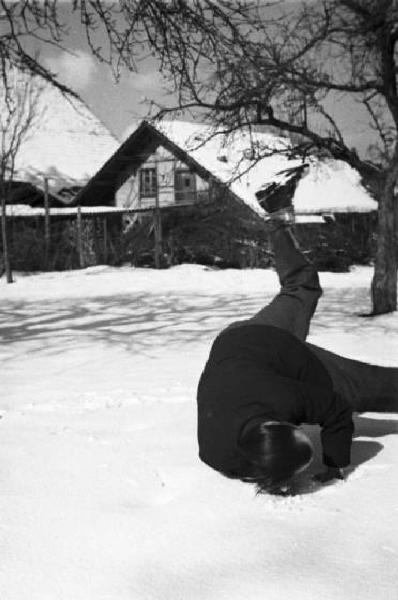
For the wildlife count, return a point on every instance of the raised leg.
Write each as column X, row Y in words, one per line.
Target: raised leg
column 294, row 305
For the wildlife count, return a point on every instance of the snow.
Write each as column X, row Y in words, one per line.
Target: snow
column 102, row 494
column 24, row 210
column 66, row 142
column 329, row 186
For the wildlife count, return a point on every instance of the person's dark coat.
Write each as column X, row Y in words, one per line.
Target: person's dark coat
column 263, row 371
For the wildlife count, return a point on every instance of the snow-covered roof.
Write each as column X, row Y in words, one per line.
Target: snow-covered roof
column 66, row 144
column 24, row 210
column 329, row 186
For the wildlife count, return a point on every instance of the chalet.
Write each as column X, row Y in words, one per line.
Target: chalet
column 175, row 163
column 207, row 180
column 184, row 191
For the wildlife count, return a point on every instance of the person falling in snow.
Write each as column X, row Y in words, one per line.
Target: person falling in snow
column 262, row 380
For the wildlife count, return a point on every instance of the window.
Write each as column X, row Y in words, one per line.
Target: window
column 185, row 186
column 148, row 183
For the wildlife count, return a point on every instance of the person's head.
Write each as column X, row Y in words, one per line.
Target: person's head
column 274, row 452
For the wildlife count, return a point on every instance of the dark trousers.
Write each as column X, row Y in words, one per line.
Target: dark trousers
column 366, row 387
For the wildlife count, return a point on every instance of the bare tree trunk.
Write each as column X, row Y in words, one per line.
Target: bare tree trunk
column 384, row 284
column 6, row 256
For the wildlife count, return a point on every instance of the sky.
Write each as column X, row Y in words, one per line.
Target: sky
column 117, row 104
column 120, row 105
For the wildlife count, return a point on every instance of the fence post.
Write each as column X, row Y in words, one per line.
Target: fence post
column 79, row 236
column 157, row 230
column 47, row 235
column 6, row 253
column 105, row 232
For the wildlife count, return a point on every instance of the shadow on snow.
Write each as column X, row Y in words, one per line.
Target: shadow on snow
column 135, row 321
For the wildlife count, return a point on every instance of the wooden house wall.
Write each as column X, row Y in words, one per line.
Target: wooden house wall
column 128, row 194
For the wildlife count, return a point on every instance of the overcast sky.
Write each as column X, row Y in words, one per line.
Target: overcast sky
column 116, row 104
column 120, row 105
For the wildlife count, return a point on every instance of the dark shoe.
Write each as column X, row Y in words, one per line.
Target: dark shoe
column 274, row 197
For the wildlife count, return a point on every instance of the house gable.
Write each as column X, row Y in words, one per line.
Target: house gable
column 145, row 147
column 163, row 179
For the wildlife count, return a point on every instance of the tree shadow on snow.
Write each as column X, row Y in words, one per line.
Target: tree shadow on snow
column 137, row 322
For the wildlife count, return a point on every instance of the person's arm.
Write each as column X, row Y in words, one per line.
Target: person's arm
column 336, row 437
column 336, row 433
column 326, row 408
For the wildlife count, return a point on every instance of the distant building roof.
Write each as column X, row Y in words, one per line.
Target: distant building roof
column 330, row 186
column 67, row 144
column 25, row 193
column 26, row 211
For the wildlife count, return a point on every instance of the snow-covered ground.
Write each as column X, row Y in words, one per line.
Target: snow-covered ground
column 102, row 494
